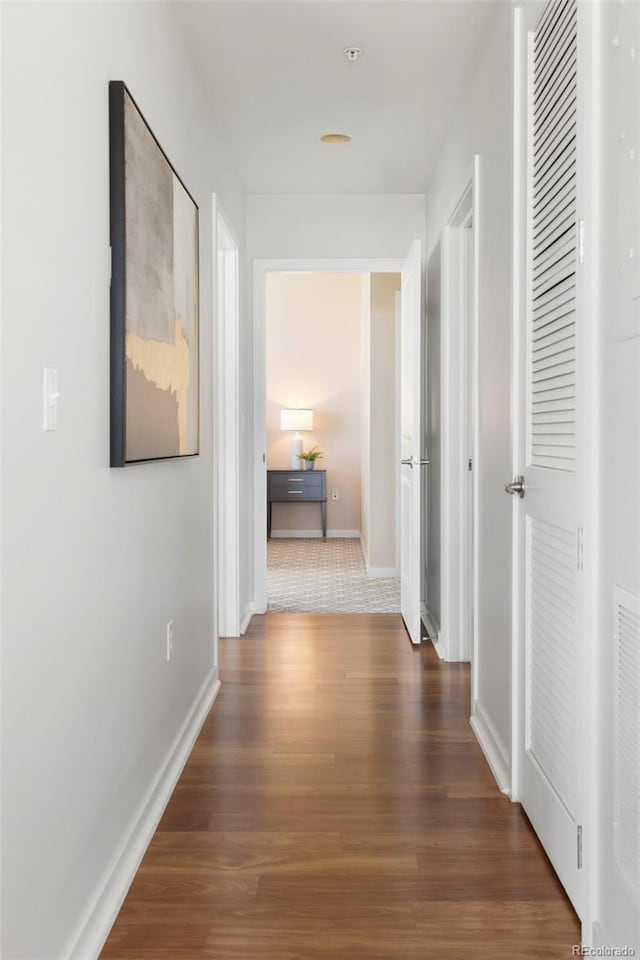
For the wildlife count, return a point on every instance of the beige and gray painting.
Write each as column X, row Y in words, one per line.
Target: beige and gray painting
column 161, row 302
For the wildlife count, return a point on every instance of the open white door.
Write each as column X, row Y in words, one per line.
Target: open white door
column 549, row 459
column 410, row 439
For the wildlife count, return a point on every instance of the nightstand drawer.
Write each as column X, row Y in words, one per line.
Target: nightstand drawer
column 293, row 486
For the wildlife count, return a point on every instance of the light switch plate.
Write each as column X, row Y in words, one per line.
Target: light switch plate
column 169, row 640
column 50, row 396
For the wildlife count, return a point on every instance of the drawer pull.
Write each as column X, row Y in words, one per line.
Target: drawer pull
column 296, row 480
column 295, row 491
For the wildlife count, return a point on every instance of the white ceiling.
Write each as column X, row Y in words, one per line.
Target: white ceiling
column 278, row 80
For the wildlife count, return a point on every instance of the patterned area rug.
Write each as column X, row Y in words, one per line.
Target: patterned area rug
column 325, row 576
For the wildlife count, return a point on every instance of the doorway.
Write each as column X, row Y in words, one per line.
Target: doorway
column 331, row 391
column 449, row 586
column 373, row 578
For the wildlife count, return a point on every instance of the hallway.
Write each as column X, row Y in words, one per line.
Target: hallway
column 337, row 805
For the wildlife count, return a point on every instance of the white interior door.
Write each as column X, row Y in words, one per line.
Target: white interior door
column 412, row 460
column 548, row 494
column 432, row 492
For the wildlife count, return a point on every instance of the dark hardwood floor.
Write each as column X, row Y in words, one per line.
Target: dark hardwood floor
column 337, row 806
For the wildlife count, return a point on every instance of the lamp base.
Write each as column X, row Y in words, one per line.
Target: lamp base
column 296, row 448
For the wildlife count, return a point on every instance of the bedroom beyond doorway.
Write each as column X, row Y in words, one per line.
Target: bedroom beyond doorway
column 332, row 387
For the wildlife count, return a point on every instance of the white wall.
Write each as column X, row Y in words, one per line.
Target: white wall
column 313, row 360
column 95, row 561
column 365, row 397
column 382, row 468
column 330, row 225
column 484, row 126
column 617, row 555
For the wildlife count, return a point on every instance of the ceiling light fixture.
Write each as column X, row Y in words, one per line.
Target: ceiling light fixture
column 352, row 53
column 335, row 138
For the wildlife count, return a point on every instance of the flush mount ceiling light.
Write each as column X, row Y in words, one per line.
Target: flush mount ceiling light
column 335, row 138
column 352, row 53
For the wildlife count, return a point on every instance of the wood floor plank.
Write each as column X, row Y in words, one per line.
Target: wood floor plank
column 337, row 805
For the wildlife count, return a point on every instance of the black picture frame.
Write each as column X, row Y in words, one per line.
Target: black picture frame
column 144, row 404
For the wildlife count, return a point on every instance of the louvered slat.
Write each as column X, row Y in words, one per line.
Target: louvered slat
column 552, row 361
column 559, row 131
column 562, row 112
column 544, row 350
column 562, row 294
column 550, row 16
column 545, row 164
column 553, row 71
column 551, row 637
column 553, row 228
column 552, row 214
column 554, row 272
column 627, row 751
column 560, row 84
column 559, row 328
column 560, row 106
column 564, row 247
column 553, row 15
column 551, row 46
column 556, row 316
column 563, row 171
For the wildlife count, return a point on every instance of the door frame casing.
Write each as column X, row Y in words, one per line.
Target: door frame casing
column 460, row 384
column 412, row 440
column 261, row 269
column 522, row 78
column 596, row 645
column 226, row 417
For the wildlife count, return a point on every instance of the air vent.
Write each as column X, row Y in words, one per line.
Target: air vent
column 627, row 738
column 551, row 655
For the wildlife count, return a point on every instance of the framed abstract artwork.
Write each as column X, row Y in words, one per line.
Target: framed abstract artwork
column 154, row 295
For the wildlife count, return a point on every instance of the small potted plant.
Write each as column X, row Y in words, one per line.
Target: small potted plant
column 309, row 458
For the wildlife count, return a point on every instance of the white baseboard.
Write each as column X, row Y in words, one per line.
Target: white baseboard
column 97, row 919
column 437, row 646
column 382, row 573
column 434, row 633
column 245, row 620
column 491, row 746
column 304, row 534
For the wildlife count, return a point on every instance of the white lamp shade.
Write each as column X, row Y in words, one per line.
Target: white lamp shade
column 296, row 419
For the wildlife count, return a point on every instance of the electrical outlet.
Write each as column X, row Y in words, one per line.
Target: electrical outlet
column 335, row 493
column 169, row 640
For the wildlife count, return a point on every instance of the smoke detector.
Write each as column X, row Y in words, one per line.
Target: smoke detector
column 352, row 53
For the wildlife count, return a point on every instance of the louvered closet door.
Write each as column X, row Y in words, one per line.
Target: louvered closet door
column 548, row 512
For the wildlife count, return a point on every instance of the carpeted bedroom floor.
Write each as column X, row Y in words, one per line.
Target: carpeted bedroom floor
column 325, row 576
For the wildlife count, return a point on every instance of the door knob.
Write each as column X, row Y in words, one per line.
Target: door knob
column 423, row 463
column 516, row 487
column 408, row 462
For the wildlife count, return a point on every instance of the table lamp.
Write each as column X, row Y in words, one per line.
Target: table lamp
column 296, row 420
